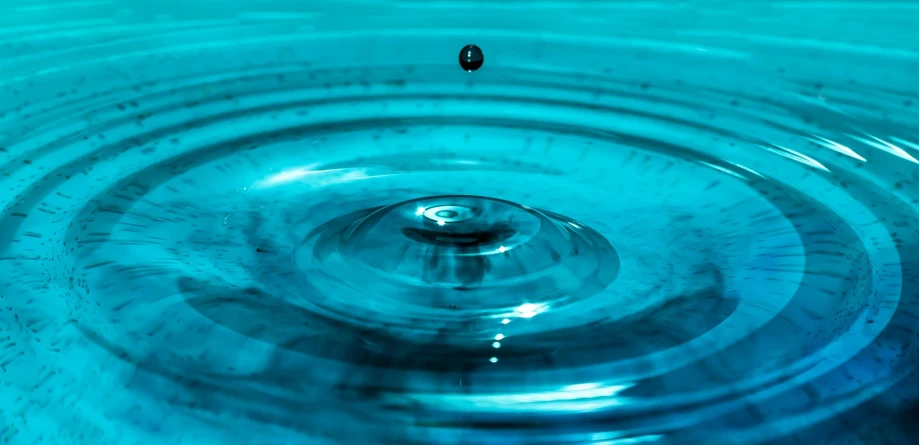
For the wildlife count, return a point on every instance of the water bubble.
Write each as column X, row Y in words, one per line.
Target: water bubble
column 471, row 58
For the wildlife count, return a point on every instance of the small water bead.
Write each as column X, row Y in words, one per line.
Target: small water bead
column 471, row 58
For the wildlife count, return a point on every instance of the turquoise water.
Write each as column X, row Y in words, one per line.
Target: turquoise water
column 300, row 222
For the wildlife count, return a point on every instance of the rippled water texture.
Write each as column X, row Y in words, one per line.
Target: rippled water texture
column 301, row 222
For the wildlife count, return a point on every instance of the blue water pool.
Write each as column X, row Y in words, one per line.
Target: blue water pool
column 302, row 222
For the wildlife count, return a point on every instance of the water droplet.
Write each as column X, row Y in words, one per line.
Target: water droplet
column 471, row 58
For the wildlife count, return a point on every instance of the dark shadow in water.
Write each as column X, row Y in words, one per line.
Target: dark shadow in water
column 257, row 315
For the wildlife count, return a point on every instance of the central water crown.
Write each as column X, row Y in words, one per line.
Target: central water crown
column 457, row 252
column 448, row 213
column 453, row 240
column 465, row 242
column 470, row 225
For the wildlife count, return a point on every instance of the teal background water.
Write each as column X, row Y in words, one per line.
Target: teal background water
column 697, row 222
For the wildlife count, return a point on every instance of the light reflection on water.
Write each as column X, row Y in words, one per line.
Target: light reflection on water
column 302, row 222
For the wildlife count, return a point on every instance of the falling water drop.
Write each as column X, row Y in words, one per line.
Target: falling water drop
column 471, row 58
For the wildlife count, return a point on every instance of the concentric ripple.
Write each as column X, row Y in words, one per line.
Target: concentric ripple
column 304, row 223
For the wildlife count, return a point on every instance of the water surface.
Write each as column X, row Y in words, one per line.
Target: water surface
column 282, row 222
